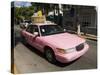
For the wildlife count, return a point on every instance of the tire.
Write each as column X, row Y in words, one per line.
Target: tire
column 49, row 55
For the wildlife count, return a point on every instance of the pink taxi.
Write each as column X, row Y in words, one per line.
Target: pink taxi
column 54, row 42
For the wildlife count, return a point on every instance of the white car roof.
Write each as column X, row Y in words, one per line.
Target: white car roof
column 45, row 23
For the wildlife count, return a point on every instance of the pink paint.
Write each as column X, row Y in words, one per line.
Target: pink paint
column 61, row 40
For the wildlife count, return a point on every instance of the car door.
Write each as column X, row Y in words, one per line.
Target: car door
column 32, row 39
column 35, row 40
column 29, row 33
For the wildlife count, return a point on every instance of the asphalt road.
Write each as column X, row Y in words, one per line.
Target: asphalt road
column 29, row 60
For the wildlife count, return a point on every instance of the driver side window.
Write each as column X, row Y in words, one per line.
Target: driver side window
column 32, row 28
column 35, row 29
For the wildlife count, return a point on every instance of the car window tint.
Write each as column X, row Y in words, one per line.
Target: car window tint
column 30, row 29
column 35, row 28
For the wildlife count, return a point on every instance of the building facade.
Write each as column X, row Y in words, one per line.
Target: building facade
column 86, row 16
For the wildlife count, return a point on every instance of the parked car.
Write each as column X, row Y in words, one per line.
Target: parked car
column 25, row 23
column 54, row 42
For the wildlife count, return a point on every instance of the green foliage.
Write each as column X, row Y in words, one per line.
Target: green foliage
column 25, row 13
column 22, row 13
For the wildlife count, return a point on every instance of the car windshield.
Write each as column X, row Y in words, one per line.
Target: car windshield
column 50, row 30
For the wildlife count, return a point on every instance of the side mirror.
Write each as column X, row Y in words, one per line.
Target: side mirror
column 36, row 34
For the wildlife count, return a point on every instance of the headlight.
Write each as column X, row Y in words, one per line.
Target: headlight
column 70, row 50
column 61, row 50
column 66, row 50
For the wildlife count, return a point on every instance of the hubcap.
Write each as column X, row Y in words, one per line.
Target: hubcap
column 49, row 55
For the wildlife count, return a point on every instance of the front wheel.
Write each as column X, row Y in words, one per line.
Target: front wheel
column 50, row 56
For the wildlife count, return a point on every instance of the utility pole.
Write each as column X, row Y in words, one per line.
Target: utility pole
column 78, row 22
column 78, row 29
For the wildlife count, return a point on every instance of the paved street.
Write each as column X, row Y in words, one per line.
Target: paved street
column 29, row 60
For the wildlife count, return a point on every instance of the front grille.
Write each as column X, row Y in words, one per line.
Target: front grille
column 80, row 47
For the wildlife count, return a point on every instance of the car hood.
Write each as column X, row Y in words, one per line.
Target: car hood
column 63, row 40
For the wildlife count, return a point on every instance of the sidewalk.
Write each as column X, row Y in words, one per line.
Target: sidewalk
column 87, row 36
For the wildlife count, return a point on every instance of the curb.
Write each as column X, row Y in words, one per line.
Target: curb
column 89, row 37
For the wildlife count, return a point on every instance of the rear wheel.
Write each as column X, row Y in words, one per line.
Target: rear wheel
column 50, row 56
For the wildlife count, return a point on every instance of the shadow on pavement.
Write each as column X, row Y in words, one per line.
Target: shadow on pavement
column 64, row 64
column 17, row 40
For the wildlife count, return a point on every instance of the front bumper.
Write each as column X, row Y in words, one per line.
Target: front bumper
column 65, row 58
